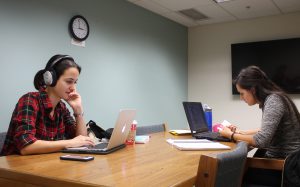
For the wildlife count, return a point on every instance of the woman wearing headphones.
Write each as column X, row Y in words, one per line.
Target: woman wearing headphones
column 41, row 122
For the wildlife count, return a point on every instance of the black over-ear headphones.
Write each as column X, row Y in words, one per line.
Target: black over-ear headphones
column 49, row 75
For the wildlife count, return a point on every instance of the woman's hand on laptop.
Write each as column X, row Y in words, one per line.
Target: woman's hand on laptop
column 80, row 140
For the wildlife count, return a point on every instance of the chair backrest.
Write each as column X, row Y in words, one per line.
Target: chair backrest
column 224, row 169
column 149, row 129
column 2, row 139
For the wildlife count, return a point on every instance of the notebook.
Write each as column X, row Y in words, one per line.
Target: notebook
column 197, row 122
column 117, row 139
column 198, row 144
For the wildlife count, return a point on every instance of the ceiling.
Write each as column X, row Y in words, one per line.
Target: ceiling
column 233, row 10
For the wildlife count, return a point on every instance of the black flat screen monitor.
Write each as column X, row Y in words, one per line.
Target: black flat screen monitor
column 279, row 59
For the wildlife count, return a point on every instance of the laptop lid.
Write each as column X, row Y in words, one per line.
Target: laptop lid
column 122, row 128
column 118, row 137
column 195, row 117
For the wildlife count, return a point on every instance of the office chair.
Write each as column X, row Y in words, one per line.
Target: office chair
column 291, row 170
column 285, row 172
column 263, row 172
column 149, row 129
column 224, row 169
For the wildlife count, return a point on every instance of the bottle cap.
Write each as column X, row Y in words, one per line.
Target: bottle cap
column 133, row 125
column 206, row 107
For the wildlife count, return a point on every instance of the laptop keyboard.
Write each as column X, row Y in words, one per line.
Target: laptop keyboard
column 99, row 146
column 97, row 149
column 211, row 136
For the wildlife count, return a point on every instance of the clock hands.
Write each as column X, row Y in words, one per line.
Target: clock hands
column 80, row 24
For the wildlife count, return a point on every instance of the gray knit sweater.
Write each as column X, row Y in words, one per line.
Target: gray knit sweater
column 280, row 129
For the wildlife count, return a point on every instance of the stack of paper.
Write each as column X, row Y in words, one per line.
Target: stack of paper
column 196, row 144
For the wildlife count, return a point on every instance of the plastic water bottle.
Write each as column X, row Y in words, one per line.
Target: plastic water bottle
column 208, row 116
column 132, row 133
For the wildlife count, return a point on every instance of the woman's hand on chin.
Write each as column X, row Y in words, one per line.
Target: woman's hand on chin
column 74, row 101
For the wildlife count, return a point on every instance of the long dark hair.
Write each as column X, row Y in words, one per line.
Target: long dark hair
column 252, row 77
column 57, row 68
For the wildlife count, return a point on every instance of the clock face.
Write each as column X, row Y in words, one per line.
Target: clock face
column 79, row 28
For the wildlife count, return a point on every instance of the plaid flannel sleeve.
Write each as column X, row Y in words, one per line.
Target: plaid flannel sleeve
column 24, row 121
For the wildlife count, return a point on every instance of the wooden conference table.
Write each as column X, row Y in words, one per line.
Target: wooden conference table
column 155, row 163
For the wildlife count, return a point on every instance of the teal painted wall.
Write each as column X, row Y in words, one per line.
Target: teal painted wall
column 132, row 59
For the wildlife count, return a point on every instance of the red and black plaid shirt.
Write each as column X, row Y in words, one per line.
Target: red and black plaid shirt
column 31, row 121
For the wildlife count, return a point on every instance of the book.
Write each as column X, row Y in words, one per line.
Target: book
column 180, row 132
column 142, row 139
column 226, row 123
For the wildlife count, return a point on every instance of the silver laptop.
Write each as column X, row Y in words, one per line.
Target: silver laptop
column 117, row 139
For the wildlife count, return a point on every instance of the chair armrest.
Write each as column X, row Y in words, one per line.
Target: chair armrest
column 207, row 170
column 265, row 163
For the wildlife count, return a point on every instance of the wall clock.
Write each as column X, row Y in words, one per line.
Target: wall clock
column 79, row 28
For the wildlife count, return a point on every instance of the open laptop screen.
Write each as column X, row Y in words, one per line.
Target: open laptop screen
column 195, row 116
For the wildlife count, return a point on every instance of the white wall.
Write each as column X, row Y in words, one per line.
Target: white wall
column 209, row 66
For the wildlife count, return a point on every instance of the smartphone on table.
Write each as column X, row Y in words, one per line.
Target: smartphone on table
column 76, row 158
